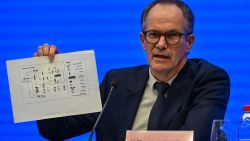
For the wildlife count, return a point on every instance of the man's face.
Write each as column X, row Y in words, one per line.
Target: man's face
column 163, row 57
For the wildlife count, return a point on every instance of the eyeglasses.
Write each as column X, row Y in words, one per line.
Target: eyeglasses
column 171, row 38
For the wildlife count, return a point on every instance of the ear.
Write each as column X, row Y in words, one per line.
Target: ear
column 190, row 42
column 142, row 38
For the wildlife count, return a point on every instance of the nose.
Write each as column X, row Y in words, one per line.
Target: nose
column 161, row 44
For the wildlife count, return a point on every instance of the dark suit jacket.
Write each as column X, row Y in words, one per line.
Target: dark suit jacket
column 198, row 95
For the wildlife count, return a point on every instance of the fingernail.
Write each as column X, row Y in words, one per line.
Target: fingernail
column 51, row 58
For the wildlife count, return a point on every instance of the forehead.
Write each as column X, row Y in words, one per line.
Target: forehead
column 165, row 17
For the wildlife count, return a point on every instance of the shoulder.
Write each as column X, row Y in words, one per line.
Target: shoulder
column 128, row 74
column 126, row 77
column 202, row 68
column 203, row 65
column 128, row 70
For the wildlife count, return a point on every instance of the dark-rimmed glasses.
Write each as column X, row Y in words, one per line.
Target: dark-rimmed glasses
column 171, row 38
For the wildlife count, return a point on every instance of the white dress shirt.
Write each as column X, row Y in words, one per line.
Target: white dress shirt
column 147, row 102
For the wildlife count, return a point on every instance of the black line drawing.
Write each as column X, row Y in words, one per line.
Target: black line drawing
column 53, row 81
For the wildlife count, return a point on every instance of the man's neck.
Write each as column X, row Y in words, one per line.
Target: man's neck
column 168, row 74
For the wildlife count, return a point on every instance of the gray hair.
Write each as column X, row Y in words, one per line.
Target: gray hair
column 185, row 9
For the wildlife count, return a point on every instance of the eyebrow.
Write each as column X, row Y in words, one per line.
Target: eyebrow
column 172, row 30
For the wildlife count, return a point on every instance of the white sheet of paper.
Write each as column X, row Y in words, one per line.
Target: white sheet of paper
column 159, row 135
column 41, row 89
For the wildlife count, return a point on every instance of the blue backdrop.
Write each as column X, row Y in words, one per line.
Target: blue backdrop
column 111, row 28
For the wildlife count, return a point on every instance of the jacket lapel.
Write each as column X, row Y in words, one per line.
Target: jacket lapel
column 174, row 102
column 131, row 100
column 177, row 96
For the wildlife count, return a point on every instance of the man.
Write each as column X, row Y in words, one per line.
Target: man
column 198, row 91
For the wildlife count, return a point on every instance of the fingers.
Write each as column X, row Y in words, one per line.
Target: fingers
column 52, row 52
column 47, row 50
column 40, row 51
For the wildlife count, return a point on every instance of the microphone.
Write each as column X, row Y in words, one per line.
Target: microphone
column 112, row 86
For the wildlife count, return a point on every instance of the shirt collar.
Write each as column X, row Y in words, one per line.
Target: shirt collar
column 152, row 79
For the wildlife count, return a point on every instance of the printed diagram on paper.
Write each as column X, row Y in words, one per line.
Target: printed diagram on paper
column 45, row 82
column 41, row 89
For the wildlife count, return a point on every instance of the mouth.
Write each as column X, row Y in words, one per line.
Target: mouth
column 161, row 57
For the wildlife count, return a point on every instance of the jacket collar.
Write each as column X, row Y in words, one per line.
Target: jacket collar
column 131, row 99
